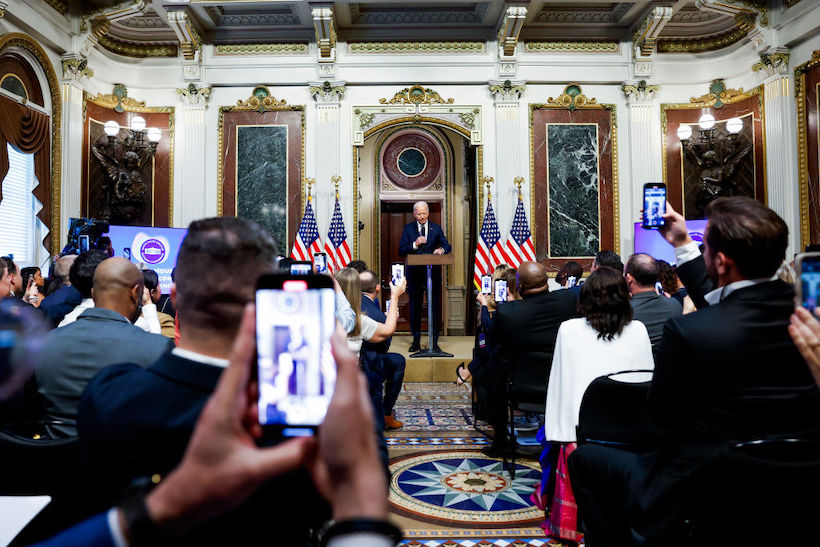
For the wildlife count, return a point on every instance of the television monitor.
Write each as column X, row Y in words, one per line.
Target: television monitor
column 652, row 242
column 149, row 248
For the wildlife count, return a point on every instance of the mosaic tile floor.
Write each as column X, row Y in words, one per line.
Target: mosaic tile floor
column 444, row 491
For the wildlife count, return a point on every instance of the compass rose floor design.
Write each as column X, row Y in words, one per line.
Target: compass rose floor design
column 463, row 488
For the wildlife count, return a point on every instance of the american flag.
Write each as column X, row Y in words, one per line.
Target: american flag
column 307, row 238
column 489, row 252
column 519, row 243
column 336, row 247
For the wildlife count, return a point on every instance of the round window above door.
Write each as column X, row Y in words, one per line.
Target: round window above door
column 411, row 161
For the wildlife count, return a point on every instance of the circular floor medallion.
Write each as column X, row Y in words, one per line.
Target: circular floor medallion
column 464, row 488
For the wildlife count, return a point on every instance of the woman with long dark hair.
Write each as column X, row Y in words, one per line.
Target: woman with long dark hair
column 603, row 340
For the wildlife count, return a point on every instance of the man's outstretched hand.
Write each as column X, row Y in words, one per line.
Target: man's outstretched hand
column 674, row 228
column 805, row 332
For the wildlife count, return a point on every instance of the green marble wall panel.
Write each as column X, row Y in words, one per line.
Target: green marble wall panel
column 572, row 177
column 262, row 177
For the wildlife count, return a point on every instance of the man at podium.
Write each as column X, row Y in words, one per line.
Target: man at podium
column 423, row 237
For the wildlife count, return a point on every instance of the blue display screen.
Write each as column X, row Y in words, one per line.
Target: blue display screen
column 810, row 281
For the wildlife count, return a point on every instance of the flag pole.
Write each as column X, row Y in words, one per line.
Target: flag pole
column 518, row 181
column 309, row 182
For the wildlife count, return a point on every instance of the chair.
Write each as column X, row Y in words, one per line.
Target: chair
column 614, row 412
column 42, row 466
column 762, row 491
column 527, row 392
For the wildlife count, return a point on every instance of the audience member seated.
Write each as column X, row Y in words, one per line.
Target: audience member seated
column 136, row 422
column 603, row 340
column 525, row 331
column 649, row 307
column 81, row 275
column 64, row 297
column 166, row 322
column 102, row 335
column 387, row 368
column 727, row 373
column 673, row 286
column 569, row 275
column 223, row 466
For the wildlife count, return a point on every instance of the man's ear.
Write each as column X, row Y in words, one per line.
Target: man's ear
column 136, row 294
column 723, row 264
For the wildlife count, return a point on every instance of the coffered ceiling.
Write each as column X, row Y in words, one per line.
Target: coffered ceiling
column 684, row 25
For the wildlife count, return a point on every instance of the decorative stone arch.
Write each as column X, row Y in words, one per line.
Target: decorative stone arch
column 34, row 53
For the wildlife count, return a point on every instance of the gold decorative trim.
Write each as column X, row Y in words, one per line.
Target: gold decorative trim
column 417, row 120
column 260, row 49
column 697, row 46
column 719, row 95
column 772, row 61
column 573, row 98
column 572, row 47
column 247, row 105
column 77, row 67
column 118, row 97
column 414, row 47
column 260, row 100
column 23, row 41
column 416, row 95
column 708, row 103
column 133, row 50
column 803, row 144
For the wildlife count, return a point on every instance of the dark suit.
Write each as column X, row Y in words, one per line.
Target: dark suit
column 136, row 422
column 386, row 370
column 525, row 332
column 653, row 310
column 60, row 302
column 697, row 282
column 727, row 373
column 417, row 275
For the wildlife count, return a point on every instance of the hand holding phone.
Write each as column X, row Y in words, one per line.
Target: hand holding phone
column 654, row 205
column 486, row 284
column 807, row 287
column 501, row 290
column 320, row 260
column 396, row 272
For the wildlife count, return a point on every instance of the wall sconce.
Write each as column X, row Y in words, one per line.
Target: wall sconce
column 137, row 132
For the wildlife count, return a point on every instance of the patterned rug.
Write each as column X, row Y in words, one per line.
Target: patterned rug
column 463, row 488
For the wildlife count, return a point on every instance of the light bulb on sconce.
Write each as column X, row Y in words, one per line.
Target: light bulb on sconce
column 154, row 135
column 706, row 122
column 111, row 129
column 138, row 123
column 684, row 132
column 734, row 125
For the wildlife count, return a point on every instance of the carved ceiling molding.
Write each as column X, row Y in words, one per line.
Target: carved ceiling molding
column 701, row 45
column 773, row 63
column 76, row 69
column 362, row 14
column 190, row 41
column 645, row 36
column 689, row 15
column 734, row 8
column 260, row 49
column 325, row 28
column 582, row 14
column 414, row 47
column 59, row 5
column 463, row 119
column 510, row 28
column 416, row 95
column 129, row 49
column 572, row 47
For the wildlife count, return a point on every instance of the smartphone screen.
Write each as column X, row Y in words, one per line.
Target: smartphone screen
column 486, row 284
column 397, row 272
column 301, row 268
column 127, row 252
column 654, row 205
column 84, row 244
column 500, row 290
column 320, row 259
column 808, row 287
column 297, row 374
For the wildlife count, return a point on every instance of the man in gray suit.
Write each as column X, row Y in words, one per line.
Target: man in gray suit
column 103, row 335
column 649, row 307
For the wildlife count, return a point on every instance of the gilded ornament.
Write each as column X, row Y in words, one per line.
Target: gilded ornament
column 718, row 95
column 194, row 95
column 59, row 5
column 507, row 91
column 803, row 145
column 261, row 49
column 260, row 100
column 468, row 119
column 415, row 47
column 76, row 67
column 365, row 119
column 573, row 98
column 132, row 50
column 416, row 95
column 118, row 100
column 571, row 47
column 695, row 46
column 640, row 91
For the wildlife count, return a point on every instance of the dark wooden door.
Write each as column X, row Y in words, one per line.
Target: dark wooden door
column 394, row 216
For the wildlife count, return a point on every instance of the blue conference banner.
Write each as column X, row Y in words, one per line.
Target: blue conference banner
column 150, row 248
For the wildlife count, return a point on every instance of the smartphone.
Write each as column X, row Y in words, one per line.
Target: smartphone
column 301, row 267
column 501, row 290
column 807, row 288
column 486, row 284
column 84, row 243
column 396, row 272
column 295, row 368
column 127, row 252
column 320, row 260
column 659, row 287
column 387, row 306
column 654, row 205
column 571, row 281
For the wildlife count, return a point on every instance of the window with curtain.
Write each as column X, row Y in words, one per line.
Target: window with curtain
column 18, row 212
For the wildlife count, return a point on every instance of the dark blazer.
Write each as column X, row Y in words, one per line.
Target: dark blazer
column 372, row 310
column 60, row 302
column 531, row 325
column 136, row 422
column 73, row 354
column 724, row 374
column 697, row 282
column 435, row 239
column 653, row 310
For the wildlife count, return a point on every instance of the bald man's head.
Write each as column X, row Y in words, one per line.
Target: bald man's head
column 118, row 286
column 532, row 279
column 63, row 266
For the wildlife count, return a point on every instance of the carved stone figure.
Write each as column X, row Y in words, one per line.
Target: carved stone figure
column 717, row 176
column 122, row 200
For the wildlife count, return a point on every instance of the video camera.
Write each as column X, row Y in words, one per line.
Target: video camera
column 92, row 228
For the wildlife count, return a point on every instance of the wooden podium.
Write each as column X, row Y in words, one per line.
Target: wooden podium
column 429, row 261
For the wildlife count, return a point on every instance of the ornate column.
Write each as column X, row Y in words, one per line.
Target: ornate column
column 645, row 161
column 507, row 151
column 781, row 141
column 328, row 95
column 75, row 72
column 189, row 155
